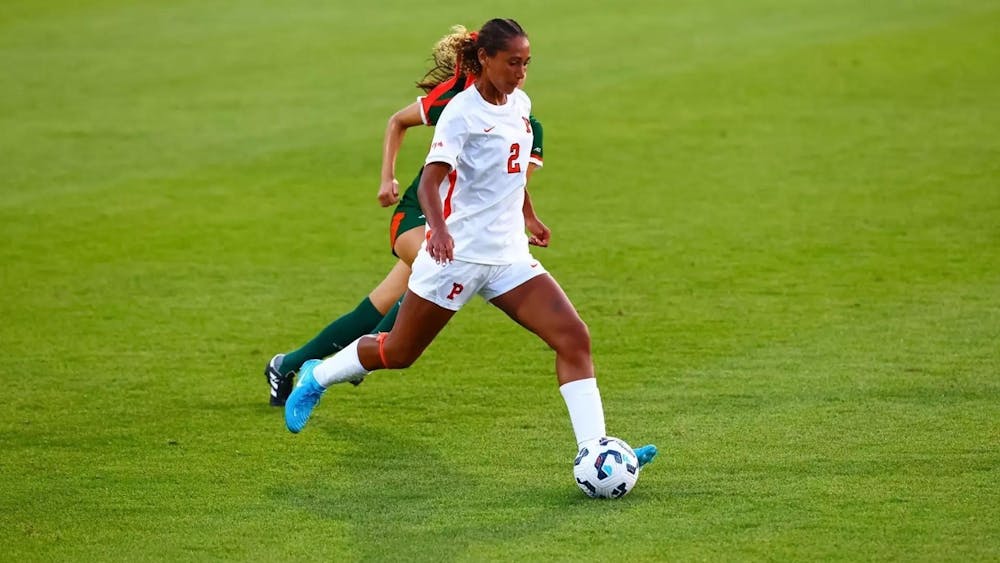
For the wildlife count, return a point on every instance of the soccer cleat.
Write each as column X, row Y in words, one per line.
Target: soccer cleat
column 304, row 398
column 281, row 385
column 645, row 454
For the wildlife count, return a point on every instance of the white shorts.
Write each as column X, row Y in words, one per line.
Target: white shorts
column 453, row 285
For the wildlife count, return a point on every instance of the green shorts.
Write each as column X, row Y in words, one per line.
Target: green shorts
column 408, row 214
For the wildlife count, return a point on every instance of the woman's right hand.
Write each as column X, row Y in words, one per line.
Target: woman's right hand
column 388, row 192
column 440, row 245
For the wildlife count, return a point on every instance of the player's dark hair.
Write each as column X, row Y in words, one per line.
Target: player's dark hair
column 493, row 37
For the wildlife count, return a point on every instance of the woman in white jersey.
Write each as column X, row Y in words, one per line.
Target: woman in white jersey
column 377, row 311
column 472, row 193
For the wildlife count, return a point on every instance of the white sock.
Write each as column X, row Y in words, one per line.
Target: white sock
column 342, row 366
column 583, row 399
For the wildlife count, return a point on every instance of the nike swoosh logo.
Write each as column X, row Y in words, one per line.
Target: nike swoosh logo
column 535, row 265
column 490, row 129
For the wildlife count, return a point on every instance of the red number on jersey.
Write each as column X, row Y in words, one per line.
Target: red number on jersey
column 513, row 167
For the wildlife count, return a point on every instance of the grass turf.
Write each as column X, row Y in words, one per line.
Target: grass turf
column 781, row 220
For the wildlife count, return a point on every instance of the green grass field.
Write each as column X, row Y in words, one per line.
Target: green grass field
column 780, row 219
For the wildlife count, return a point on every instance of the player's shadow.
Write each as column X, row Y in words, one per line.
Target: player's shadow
column 398, row 495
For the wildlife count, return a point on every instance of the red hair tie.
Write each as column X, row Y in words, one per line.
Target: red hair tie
column 474, row 35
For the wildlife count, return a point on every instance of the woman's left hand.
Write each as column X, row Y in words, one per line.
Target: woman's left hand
column 540, row 234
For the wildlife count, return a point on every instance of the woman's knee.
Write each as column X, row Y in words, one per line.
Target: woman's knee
column 572, row 339
column 395, row 356
column 408, row 244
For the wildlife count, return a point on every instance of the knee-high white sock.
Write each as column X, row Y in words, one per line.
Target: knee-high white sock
column 586, row 412
column 342, row 366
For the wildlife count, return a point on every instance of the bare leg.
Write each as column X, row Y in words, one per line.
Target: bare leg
column 542, row 307
column 387, row 292
column 408, row 244
column 419, row 321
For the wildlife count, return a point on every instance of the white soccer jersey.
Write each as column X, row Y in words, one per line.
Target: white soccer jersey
column 487, row 147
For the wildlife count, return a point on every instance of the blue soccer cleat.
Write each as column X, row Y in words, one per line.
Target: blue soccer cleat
column 304, row 398
column 644, row 453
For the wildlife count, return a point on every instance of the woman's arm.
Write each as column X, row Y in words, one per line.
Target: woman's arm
column 440, row 245
column 540, row 234
column 395, row 130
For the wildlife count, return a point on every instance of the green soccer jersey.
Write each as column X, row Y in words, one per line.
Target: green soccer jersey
column 432, row 104
column 536, row 141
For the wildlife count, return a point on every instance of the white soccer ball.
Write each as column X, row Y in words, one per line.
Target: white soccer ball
column 606, row 468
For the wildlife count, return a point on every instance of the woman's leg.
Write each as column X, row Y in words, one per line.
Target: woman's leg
column 426, row 309
column 406, row 247
column 387, row 292
column 418, row 323
column 541, row 306
column 408, row 243
column 376, row 313
column 348, row 327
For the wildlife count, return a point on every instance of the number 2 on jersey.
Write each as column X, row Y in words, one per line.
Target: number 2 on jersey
column 513, row 166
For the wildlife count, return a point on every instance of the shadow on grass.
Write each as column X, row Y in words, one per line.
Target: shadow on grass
column 402, row 498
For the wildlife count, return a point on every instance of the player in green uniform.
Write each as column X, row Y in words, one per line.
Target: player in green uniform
column 377, row 311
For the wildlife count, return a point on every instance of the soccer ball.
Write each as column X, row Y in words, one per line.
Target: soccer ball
column 606, row 468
